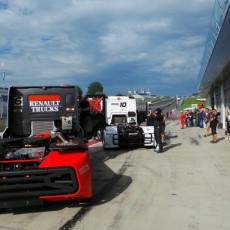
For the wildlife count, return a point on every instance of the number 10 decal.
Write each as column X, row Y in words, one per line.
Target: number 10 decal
column 123, row 104
column 18, row 101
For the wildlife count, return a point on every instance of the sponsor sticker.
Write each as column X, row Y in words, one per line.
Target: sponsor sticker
column 44, row 103
column 83, row 169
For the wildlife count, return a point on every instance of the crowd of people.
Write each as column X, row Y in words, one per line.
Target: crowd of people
column 208, row 119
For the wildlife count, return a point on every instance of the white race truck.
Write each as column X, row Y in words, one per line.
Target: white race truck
column 121, row 125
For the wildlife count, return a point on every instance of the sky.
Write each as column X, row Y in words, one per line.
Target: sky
column 123, row 44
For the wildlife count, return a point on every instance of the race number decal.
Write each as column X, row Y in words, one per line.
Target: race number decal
column 123, row 104
column 18, row 101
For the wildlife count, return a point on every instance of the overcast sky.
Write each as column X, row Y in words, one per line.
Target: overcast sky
column 123, row 44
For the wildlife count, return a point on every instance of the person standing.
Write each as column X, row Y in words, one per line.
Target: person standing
column 84, row 116
column 206, row 121
column 158, row 123
column 213, row 125
column 191, row 118
column 182, row 119
column 197, row 117
column 201, row 118
column 228, row 126
column 163, row 128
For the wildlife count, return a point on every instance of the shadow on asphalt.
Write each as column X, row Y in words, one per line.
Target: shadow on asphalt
column 108, row 185
column 170, row 137
column 168, row 147
column 220, row 139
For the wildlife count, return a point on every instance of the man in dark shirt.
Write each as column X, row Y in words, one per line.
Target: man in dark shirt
column 84, row 115
column 213, row 125
column 158, row 123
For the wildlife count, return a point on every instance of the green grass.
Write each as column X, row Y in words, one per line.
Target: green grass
column 189, row 101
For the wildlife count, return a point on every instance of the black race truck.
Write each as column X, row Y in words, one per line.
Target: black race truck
column 42, row 153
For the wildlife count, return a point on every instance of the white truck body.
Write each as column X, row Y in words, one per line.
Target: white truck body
column 120, row 105
column 122, row 128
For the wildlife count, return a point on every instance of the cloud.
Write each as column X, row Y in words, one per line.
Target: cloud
column 122, row 44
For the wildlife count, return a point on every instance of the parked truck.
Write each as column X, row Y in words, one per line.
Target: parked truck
column 122, row 128
column 42, row 153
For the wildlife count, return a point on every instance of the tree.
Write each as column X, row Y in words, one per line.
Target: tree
column 79, row 90
column 95, row 88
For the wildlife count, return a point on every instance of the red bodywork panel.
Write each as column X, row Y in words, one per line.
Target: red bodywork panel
column 80, row 162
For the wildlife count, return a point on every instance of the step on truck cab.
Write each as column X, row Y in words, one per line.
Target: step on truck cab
column 42, row 152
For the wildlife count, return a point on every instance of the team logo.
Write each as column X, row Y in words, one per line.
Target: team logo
column 44, row 103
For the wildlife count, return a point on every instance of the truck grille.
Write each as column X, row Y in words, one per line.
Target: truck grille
column 37, row 182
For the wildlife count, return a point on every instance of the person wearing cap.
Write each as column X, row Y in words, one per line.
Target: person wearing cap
column 158, row 127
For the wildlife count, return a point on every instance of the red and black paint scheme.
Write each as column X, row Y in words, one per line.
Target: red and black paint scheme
column 42, row 153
